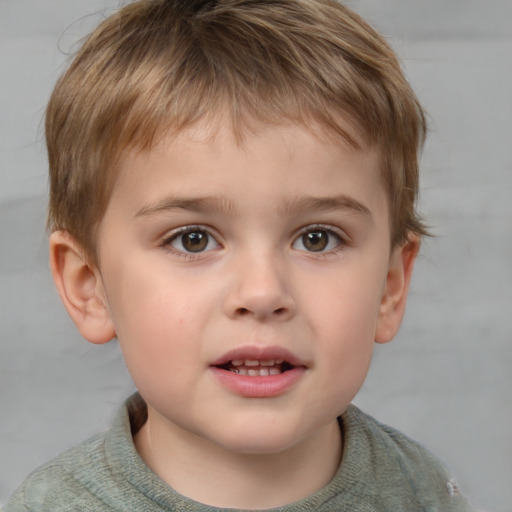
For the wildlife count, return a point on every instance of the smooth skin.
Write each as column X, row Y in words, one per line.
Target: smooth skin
column 210, row 245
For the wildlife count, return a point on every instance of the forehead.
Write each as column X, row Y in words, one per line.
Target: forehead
column 269, row 167
column 220, row 127
column 217, row 135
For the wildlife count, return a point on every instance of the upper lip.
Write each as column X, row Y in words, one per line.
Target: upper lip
column 255, row 353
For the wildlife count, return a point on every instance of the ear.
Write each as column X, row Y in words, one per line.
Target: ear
column 394, row 297
column 80, row 287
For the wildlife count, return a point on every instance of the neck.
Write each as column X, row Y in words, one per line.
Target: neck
column 210, row 474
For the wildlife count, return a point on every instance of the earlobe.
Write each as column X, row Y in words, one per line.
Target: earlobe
column 396, row 288
column 80, row 288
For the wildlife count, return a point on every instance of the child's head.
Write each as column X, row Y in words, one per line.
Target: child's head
column 233, row 189
column 160, row 66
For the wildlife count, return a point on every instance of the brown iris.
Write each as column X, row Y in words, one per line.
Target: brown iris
column 315, row 241
column 194, row 241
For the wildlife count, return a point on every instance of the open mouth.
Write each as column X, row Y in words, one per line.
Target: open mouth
column 259, row 372
column 257, row 368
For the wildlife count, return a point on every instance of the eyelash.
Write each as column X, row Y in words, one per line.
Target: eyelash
column 311, row 228
column 331, row 231
column 176, row 234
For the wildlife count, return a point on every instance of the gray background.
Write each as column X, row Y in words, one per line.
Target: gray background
column 447, row 378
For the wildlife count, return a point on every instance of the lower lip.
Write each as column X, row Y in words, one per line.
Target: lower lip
column 258, row 387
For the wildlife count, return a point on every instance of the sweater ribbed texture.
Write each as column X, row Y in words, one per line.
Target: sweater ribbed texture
column 381, row 470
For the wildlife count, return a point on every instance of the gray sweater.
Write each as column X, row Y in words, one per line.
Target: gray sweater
column 381, row 471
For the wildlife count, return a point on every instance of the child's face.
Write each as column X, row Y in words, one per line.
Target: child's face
column 218, row 260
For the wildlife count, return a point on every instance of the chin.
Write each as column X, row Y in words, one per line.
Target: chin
column 258, row 439
column 258, row 446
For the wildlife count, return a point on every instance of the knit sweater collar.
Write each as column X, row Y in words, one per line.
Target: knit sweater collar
column 126, row 463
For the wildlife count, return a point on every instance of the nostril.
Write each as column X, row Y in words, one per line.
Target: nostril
column 246, row 311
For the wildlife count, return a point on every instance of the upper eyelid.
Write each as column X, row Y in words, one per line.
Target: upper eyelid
column 167, row 241
column 335, row 232
column 320, row 226
column 173, row 233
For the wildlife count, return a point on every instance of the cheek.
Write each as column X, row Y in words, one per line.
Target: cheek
column 348, row 336
column 158, row 321
column 343, row 319
column 160, row 349
column 347, row 306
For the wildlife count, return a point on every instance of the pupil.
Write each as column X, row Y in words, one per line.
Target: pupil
column 315, row 240
column 195, row 241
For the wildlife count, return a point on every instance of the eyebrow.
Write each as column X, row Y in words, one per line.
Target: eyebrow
column 219, row 204
column 325, row 204
column 213, row 204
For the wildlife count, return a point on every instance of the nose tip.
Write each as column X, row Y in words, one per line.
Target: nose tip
column 260, row 292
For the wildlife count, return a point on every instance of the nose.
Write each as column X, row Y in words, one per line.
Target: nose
column 259, row 289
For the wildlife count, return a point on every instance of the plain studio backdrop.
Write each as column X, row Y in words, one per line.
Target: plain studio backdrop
column 446, row 380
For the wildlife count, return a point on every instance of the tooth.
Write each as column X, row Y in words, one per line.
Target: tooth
column 243, row 371
column 279, row 361
column 269, row 362
column 253, row 373
column 251, row 362
column 274, row 371
column 237, row 362
column 264, row 372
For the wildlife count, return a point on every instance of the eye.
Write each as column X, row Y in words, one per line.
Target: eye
column 191, row 240
column 318, row 239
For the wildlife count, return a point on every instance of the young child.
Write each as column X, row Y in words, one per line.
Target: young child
column 233, row 190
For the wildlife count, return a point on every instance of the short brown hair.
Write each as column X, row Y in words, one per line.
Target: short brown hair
column 160, row 65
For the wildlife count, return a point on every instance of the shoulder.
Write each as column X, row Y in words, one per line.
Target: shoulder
column 62, row 483
column 401, row 469
column 389, row 443
column 87, row 477
column 104, row 473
